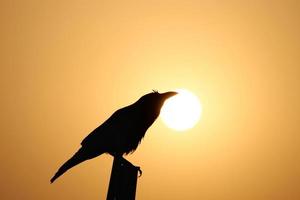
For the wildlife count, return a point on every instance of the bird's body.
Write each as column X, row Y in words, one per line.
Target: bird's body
column 121, row 133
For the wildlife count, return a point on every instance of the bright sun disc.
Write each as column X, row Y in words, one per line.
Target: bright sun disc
column 181, row 111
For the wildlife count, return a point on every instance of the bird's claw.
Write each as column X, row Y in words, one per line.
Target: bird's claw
column 140, row 171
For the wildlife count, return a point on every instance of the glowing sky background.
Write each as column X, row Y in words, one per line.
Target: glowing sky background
column 67, row 65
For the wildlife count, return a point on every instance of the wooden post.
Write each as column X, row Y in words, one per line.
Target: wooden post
column 123, row 180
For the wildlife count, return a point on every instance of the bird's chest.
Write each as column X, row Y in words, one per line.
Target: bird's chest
column 130, row 133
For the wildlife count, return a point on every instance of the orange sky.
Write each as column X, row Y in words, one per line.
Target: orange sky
column 67, row 65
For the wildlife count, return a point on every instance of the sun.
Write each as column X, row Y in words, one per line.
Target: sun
column 182, row 111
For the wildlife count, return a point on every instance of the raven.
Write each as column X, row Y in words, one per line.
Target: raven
column 121, row 133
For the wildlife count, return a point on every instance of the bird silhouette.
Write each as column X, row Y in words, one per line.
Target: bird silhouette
column 121, row 133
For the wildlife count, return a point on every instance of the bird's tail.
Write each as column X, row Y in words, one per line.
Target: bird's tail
column 77, row 158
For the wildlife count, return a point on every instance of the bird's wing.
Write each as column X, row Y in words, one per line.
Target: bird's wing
column 106, row 131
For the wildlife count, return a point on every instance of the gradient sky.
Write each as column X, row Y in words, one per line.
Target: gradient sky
column 67, row 65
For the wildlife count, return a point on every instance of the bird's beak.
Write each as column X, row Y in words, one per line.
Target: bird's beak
column 167, row 95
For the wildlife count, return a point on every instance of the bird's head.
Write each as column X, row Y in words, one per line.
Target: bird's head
column 155, row 100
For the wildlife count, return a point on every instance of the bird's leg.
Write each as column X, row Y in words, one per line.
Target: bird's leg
column 129, row 163
column 123, row 162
